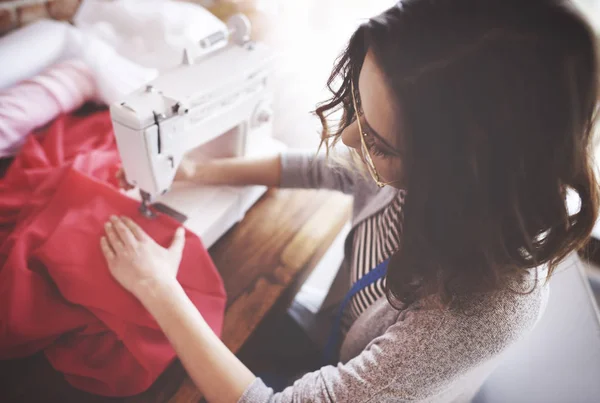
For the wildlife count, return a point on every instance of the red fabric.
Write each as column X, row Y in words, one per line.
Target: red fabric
column 56, row 293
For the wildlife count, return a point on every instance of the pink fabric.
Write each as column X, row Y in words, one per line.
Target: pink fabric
column 33, row 103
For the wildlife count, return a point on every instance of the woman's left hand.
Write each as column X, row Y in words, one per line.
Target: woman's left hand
column 135, row 260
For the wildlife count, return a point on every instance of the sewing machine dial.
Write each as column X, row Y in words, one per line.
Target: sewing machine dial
column 239, row 28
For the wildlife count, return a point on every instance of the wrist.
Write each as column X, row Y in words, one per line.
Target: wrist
column 209, row 172
column 156, row 290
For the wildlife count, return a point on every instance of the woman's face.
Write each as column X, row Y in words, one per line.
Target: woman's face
column 381, row 121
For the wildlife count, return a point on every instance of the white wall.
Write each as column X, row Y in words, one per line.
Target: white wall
column 309, row 35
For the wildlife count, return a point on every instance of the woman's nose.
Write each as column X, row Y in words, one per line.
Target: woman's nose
column 351, row 136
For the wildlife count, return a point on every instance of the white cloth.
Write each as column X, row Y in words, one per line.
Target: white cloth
column 124, row 42
column 152, row 33
column 116, row 76
column 37, row 46
column 28, row 51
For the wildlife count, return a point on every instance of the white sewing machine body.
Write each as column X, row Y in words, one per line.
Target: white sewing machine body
column 215, row 104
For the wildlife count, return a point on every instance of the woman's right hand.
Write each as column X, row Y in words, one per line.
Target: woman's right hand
column 185, row 173
column 186, row 170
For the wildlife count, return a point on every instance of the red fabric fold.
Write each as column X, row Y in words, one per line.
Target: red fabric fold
column 56, row 293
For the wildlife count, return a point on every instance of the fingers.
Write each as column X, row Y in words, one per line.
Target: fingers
column 135, row 229
column 123, row 234
column 109, row 254
column 114, row 240
column 129, row 240
column 178, row 240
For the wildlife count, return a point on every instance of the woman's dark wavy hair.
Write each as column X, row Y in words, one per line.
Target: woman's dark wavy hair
column 498, row 99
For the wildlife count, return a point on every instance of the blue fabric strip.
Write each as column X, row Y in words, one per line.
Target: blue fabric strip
column 331, row 348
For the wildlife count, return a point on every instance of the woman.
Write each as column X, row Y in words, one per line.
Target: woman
column 473, row 118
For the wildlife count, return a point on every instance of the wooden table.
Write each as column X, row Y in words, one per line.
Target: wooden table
column 273, row 249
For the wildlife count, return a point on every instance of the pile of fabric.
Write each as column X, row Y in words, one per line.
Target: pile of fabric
column 56, row 294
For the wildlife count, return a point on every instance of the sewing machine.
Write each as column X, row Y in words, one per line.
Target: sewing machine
column 216, row 103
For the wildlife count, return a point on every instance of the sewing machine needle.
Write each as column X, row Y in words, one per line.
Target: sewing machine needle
column 145, row 206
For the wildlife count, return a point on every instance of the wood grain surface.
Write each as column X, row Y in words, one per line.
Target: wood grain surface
column 281, row 239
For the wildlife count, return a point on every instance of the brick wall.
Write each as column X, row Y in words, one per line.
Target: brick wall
column 16, row 13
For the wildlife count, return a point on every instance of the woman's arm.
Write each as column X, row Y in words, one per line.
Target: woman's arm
column 241, row 171
column 416, row 356
column 149, row 272
column 215, row 370
column 291, row 169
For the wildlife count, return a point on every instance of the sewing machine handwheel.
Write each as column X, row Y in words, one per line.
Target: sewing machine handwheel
column 239, row 28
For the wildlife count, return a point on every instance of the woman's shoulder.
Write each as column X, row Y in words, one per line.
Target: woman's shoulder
column 507, row 313
column 432, row 350
column 493, row 320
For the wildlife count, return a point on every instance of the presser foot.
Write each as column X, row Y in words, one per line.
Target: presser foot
column 145, row 209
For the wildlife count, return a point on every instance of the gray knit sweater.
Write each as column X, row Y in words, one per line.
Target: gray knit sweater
column 416, row 355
